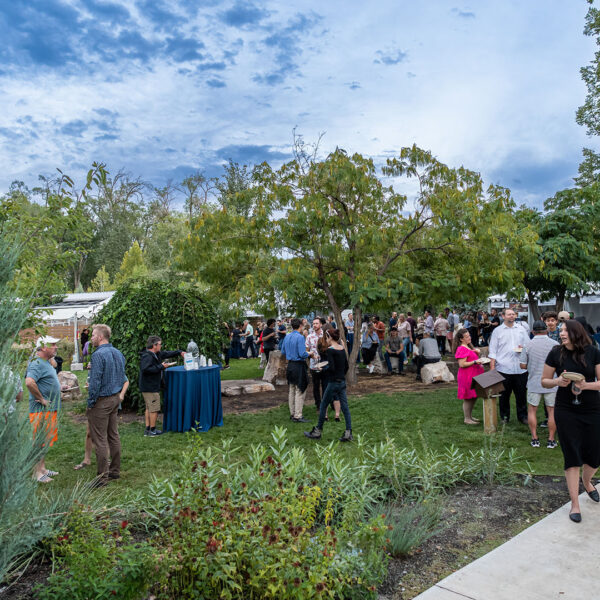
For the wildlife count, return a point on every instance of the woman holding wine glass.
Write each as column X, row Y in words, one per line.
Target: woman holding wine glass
column 577, row 409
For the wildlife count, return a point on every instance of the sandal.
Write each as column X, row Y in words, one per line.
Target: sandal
column 44, row 478
column 81, row 465
column 51, row 473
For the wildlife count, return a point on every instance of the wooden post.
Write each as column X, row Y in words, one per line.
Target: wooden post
column 488, row 386
column 490, row 414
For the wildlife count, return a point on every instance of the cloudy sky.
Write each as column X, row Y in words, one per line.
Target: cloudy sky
column 163, row 89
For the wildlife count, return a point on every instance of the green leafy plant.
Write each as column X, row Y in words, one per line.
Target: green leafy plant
column 173, row 310
column 410, row 526
column 97, row 559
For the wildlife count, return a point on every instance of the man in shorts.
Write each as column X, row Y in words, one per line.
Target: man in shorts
column 44, row 399
column 533, row 358
column 153, row 361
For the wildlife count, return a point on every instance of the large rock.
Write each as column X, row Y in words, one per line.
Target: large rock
column 379, row 366
column 245, row 386
column 255, row 388
column 275, row 369
column 69, row 385
column 436, row 373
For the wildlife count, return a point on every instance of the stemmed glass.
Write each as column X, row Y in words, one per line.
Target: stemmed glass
column 576, row 391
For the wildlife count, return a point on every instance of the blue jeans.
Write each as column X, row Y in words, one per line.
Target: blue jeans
column 400, row 358
column 350, row 342
column 336, row 390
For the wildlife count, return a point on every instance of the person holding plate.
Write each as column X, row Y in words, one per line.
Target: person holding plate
column 153, row 361
column 469, row 366
column 577, row 408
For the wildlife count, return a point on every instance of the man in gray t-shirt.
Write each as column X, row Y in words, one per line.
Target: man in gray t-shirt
column 533, row 357
column 428, row 353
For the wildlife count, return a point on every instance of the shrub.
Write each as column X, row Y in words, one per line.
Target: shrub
column 410, row 526
column 95, row 558
column 174, row 311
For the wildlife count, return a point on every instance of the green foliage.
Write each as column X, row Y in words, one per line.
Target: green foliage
column 95, row 558
column 101, row 283
column 567, row 237
column 329, row 232
column 54, row 232
column 259, row 527
column 173, row 310
column 588, row 115
column 27, row 514
column 410, row 526
column 132, row 266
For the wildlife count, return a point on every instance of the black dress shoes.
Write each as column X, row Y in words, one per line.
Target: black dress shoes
column 594, row 495
column 575, row 517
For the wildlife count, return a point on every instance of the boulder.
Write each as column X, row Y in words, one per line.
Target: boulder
column 436, row 373
column 275, row 369
column 255, row 388
column 379, row 366
column 69, row 385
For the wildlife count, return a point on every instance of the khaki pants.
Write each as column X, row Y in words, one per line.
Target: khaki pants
column 296, row 401
column 102, row 418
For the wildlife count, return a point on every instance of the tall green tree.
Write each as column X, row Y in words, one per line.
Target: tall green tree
column 330, row 229
column 132, row 266
column 53, row 232
column 566, row 261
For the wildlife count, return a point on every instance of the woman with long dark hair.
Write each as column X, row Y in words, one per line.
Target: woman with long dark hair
column 468, row 367
column 336, row 388
column 577, row 409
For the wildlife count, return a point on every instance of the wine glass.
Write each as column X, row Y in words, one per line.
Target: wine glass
column 576, row 391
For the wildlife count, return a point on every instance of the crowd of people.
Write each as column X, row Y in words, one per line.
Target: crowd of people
column 555, row 363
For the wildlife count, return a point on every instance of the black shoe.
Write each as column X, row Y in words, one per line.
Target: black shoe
column 418, row 378
column 544, row 424
column 347, row 437
column 99, row 482
column 154, row 432
column 146, row 432
column 594, row 495
column 114, row 476
column 313, row 434
column 301, row 420
column 575, row 517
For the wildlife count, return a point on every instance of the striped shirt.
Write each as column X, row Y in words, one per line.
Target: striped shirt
column 534, row 355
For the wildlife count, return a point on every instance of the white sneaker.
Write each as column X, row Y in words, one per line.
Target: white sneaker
column 371, row 367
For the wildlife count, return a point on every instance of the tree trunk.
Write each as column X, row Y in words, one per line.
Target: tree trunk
column 533, row 306
column 560, row 300
column 352, row 376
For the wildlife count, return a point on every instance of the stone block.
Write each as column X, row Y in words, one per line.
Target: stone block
column 275, row 369
column 436, row 373
column 231, row 390
column 69, row 386
column 256, row 388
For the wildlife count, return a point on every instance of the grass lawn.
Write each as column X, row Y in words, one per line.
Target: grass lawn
column 431, row 419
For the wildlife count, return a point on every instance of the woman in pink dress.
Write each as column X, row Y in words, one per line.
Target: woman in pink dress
column 468, row 367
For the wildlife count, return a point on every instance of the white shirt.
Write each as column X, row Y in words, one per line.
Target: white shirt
column 503, row 342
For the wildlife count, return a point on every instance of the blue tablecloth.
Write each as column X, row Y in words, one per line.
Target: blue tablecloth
column 192, row 399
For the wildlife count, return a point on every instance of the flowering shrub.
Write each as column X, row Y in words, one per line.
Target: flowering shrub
column 221, row 546
column 97, row 559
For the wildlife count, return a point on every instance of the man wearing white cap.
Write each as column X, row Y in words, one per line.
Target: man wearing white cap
column 44, row 398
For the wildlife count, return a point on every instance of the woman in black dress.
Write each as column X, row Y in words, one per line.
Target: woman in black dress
column 577, row 414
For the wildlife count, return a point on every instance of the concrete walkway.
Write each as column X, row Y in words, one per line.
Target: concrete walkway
column 553, row 559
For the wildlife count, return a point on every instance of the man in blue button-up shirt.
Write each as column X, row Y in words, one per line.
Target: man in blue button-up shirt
column 294, row 349
column 107, row 386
